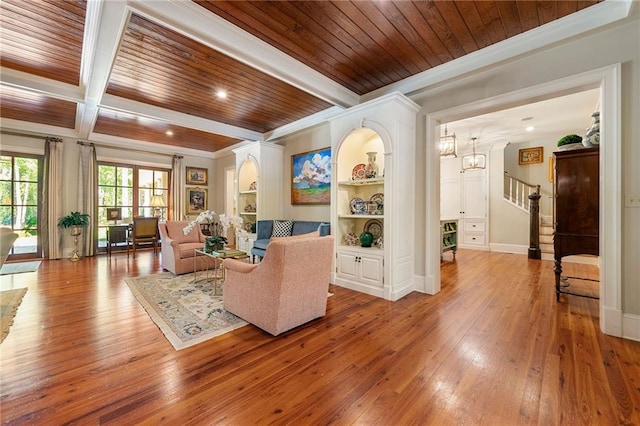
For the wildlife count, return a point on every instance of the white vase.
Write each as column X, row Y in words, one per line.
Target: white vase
column 592, row 136
column 371, row 169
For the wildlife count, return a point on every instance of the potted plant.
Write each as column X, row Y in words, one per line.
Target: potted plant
column 568, row 142
column 214, row 243
column 75, row 221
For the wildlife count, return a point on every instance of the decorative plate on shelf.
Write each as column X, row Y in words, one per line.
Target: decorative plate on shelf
column 375, row 227
column 379, row 199
column 358, row 206
column 358, row 172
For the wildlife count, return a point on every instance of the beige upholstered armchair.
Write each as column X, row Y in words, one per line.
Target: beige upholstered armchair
column 178, row 249
column 287, row 289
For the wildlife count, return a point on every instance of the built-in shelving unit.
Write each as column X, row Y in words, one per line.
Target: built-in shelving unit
column 258, row 187
column 382, row 203
column 448, row 237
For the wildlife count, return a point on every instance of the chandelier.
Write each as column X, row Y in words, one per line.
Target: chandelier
column 474, row 161
column 448, row 145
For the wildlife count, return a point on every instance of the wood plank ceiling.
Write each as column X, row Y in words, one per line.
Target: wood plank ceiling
column 163, row 76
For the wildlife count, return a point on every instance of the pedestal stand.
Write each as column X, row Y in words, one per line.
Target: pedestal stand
column 75, row 231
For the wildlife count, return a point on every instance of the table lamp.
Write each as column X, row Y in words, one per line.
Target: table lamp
column 157, row 202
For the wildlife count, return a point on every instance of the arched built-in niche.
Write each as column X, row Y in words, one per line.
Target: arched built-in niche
column 386, row 126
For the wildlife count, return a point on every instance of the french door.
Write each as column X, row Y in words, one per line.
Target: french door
column 20, row 201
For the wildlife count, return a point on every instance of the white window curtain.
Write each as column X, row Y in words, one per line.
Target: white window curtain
column 176, row 189
column 87, row 196
column 51, row 208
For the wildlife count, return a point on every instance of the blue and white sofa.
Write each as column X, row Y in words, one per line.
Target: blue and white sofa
column 265, row 229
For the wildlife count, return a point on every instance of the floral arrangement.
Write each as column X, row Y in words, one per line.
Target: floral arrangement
column 217, row 227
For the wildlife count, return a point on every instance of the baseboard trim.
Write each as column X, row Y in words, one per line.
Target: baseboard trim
column 631, row 327
column 611, row 320
column 508, row 248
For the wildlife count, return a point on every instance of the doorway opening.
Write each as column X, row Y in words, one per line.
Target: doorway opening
column 608, row 82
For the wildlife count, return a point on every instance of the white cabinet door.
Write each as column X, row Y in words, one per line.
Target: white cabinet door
column 464, row 197
column 450, row 199
column 371, row 271
column 475, row 197
column 347, row 265
column 450, row 189
column 360, row 267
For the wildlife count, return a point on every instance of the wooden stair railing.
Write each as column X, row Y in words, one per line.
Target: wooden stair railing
column 527, row 197
column 534, row 251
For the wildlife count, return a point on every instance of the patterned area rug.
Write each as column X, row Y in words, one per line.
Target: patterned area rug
column 9, row 302
column 19, row 267
column 187, row 313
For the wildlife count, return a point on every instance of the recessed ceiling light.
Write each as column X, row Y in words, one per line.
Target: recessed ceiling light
column 530, row 128
column 169, row 133
column 221, row 94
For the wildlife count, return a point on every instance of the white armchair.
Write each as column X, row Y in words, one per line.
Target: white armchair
column 7, row 238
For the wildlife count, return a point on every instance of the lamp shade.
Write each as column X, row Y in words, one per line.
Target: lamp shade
column 157, row 201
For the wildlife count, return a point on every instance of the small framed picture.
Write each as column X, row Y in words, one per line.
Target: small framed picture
column 114, row 213
column 530, row 156
column 196, row 176
column 196, row 200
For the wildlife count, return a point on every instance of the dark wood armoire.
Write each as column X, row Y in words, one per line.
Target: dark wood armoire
column 577, row 209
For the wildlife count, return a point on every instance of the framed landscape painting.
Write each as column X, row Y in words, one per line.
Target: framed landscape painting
column 196, row 176
column 530, row 156
column 311, row 177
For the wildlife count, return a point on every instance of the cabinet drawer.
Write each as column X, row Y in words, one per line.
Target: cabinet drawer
column 474, row 238
column 471, row 225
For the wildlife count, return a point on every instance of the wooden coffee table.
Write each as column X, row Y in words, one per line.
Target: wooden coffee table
column 217, row 272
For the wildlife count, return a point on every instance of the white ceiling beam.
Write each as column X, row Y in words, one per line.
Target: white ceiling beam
column 116, row 142
column 568, row 26
column 30, row 127
column 37, row 84
column 197, row 23
column 178, row 118
column 104, row 25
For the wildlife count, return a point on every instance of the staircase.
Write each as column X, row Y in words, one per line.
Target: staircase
column 517, row 192
column 546, row 239
column 526, row 197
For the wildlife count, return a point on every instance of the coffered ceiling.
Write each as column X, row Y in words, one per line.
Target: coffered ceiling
column 150, row 71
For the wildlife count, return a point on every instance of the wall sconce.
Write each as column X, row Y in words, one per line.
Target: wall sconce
column 474, row 161
column 448, row 145
column 157, row 202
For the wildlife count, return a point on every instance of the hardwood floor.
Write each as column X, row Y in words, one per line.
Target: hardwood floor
column 493, row 347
